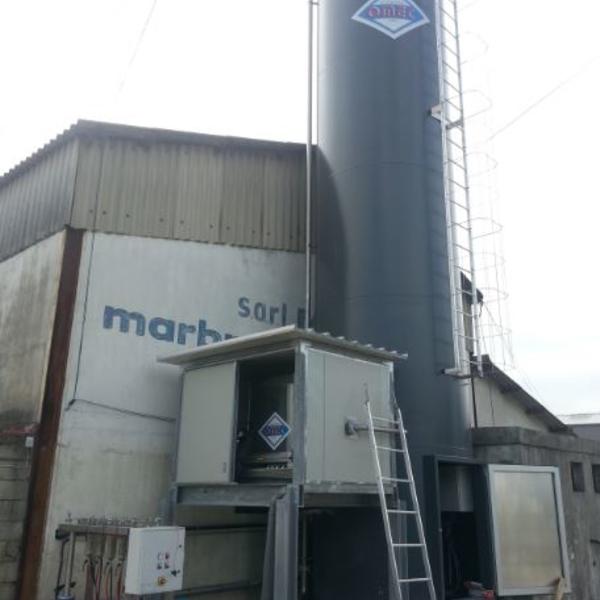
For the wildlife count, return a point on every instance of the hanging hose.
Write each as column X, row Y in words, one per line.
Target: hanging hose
column 108, row 581
column 98, row 589
column 58, row 586
column 90, row 574
column 119, row 572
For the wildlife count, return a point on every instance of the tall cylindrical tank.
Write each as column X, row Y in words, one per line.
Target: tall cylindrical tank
column 380, row 230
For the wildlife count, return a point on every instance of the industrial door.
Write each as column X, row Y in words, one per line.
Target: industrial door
column 205, row 453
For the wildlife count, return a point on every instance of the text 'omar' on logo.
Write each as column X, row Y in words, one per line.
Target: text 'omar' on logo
column 392, row 17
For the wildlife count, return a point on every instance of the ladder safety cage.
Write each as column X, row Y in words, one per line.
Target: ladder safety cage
column 398, row 456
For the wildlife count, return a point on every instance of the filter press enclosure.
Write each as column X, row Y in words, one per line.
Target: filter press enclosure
column 275, row 423
column 281, row 406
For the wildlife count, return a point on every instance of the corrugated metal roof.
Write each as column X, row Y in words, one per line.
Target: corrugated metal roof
column 157, row 183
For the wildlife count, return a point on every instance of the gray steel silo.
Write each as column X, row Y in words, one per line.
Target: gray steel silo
column 379, row 224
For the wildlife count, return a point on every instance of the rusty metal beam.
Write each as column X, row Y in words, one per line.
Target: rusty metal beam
column 45, row 443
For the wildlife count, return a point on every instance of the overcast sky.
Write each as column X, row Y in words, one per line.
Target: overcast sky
column 238, row 67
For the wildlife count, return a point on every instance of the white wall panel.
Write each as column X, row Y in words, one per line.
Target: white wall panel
column 117, row 431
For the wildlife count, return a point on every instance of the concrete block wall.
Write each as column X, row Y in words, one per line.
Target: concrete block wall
column 15, row 463
column 515, row 445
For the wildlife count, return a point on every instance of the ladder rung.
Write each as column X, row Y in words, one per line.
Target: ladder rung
column 458, row 184
column 414, row 580
column 459, row 206
column 398, row 450
column 454, row 162
column 444, row 45
column 454, row 87
column 452, row 34
column 454, row 143
column 386, row 420
column 457, row 245
column 397, row 511
column 470, row 338
column 452, row 104
column 450, row 61
column 396, row 479
column 448, row 14
column 463, row 226
column 378, row 429
column 408, row 545
column 450, row 70
column 455, row 125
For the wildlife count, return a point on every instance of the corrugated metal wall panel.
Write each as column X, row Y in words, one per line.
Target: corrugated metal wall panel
column 157, row 184
column 211, row 193
column 284, row 203
column 136, row 183
column 37, row 202
column 241, row 211
column 199, row 194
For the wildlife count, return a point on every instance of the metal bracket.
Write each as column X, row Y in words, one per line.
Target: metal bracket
column 457, row 373
column 436, row 112
column 352, row 427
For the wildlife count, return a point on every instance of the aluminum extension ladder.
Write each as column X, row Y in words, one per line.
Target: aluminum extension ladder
column 395, row 427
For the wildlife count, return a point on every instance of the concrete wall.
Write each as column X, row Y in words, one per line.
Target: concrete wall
column 498, row 409
column 117, row 431
column 582, row 509
column 28, row 293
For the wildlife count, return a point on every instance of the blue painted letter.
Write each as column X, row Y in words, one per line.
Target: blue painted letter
column 244, row 307
column 204, row 333
column 162, row 329
column 110, row 313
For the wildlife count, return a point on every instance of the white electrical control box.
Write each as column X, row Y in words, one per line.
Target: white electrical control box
column 154, row 560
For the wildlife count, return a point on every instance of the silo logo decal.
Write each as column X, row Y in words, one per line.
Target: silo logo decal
column 392, row 17
column 274, row 431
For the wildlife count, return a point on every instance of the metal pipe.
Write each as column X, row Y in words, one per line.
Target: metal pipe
column 218, row 588
column 309, row 143
column 66, row 593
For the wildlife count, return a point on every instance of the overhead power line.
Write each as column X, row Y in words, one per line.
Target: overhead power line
column 545, row 97
column 137, row 45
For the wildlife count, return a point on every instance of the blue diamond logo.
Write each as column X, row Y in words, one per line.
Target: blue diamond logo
column 392, row 17
column 274, row 431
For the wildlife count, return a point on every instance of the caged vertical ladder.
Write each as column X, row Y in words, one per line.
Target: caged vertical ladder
column 457, row 194
column 395, row 426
